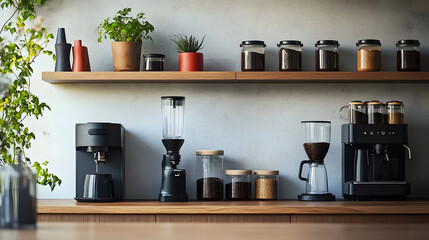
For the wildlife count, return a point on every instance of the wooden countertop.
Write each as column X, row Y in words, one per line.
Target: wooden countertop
column 191, row 231
column 231, row 207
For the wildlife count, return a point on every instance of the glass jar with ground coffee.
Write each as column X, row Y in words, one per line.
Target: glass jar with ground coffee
column 368, row 55
column 356, row 112
column 209, row 174
column 252, row 55
column 238, row 184
column 327, row 55
column 376, row 112
column 266, row 185
column 290, row 55
column 395, row 112
column 154, row 62
column 408, row 55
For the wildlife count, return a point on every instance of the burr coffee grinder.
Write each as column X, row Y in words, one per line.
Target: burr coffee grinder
column 173, row 186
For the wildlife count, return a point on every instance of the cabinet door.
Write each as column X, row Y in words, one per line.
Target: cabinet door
column 367, row 218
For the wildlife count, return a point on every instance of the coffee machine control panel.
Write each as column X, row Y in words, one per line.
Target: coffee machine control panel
column 374, row 134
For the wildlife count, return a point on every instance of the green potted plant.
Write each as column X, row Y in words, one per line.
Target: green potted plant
column 189, row 57
column 22, row 41
column 128, row 34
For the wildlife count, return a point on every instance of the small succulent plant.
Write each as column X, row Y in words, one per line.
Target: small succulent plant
column 187, row 44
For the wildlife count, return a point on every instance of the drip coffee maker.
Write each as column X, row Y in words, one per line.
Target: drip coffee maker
column 173, row 186
column 317, row 137
column 100, row 162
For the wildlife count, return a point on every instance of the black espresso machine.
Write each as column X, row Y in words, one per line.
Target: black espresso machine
column 374, row 158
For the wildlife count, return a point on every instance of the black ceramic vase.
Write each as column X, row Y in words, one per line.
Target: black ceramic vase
column 62, row 51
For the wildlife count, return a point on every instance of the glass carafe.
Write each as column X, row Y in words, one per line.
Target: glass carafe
column 317, row 137
column 173, row 109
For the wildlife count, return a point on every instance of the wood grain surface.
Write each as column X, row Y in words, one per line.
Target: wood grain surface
column 235, row 77
column 234, row 207
column 196, row 231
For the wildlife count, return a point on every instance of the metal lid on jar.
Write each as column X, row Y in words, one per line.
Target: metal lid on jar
column 327, row 42
column 369, row 41
column 238, row 172
column 290, row 42
column 356, row 102
column 209, row 152
column 172, row 98
column 266, row 172
column 395, row 103
column 408, row 41
column 154, row 55
column 253, row 42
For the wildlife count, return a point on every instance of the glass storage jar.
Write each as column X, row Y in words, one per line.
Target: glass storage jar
column 209, row 174
column 376, row 112
column 266, row 184
column 154, row 62
column 368, row 55
column 290, row 55
column 252, row 55
column 327, row 55
column 395, row 112
column 17, row 197
column 356, row 112
column 238, row 184
column 408, row 55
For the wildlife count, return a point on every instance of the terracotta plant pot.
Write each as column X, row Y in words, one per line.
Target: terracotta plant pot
column 191, row 61
column 126, row 56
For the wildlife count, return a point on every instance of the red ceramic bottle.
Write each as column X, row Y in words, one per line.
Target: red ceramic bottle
column 80, row 57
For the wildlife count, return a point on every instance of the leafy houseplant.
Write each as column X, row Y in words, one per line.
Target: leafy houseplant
column 128, row 34
column 189, row 57
column 20, row 45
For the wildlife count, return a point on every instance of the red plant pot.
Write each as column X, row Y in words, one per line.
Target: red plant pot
column 191, row 61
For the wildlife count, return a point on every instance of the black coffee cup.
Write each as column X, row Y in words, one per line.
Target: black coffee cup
column 98, row 185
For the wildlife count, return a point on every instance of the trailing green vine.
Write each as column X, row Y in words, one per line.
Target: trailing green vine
column 22, row 40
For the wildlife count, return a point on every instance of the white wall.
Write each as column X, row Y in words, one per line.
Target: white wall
column 258, row 125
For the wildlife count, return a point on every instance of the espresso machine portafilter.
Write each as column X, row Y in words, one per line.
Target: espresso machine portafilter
column 173, row 185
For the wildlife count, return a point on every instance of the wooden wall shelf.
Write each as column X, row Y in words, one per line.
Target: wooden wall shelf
column 235, row 77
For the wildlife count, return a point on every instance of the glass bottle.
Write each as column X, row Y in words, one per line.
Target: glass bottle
column 356, row 112
column 209, row 174
column 252, row 55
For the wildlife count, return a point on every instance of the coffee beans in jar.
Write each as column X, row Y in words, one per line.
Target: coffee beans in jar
column 408, row 55
column 266, row 185
column 368, row 55
column 238, row 184
column 395, row 112
column 209, row 172
column 356, row 112
column 252, row 55
column 290, row 55
column 327, row 55
column 376, row 112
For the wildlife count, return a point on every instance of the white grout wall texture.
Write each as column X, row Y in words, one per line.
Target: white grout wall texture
column 258, row 125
